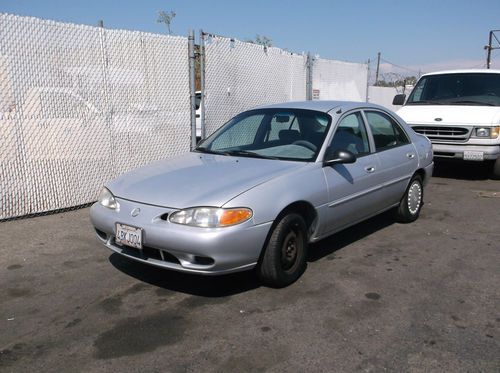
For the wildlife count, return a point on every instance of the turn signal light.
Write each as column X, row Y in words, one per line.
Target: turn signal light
column 234, row 216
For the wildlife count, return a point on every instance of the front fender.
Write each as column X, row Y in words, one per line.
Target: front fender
column 267, row 200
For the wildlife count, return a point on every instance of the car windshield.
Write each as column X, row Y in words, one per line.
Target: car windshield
column 287, row 134
column 480, row 89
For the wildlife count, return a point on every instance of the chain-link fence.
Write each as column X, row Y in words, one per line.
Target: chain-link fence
column 80, row 105
column 339, row 80
column 240, row 75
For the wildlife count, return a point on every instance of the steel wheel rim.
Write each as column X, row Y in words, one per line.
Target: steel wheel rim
column 290, row 250
column 414, row 197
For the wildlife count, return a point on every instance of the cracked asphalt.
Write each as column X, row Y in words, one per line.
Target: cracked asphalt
column 379, row 296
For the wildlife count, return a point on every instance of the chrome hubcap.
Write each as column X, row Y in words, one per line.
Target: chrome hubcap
column 414, row 197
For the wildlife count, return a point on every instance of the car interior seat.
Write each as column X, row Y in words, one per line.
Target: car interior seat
column 288, row 136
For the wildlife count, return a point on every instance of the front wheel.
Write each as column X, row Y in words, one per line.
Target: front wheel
column 284, row 258
column 412, row 201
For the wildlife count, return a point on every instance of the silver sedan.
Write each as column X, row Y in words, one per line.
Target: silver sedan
column 265, row 185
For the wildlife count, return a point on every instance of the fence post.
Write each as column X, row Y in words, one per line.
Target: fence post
column 108, row 108
column 368, row 81
column 192, row 88
column 202, row 85
column 309, row 67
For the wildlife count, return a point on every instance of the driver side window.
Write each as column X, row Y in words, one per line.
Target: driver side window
column 351, row 135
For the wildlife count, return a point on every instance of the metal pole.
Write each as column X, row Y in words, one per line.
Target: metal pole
column 108, row 106
column 378, row 65
column 368, row 82
column 488, row 58
column 309, row 68
column 202, row 84
column 192, row 88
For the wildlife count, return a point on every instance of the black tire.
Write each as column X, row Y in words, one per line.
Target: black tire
column 412, row 201
column 284, row 258
column 495, row 170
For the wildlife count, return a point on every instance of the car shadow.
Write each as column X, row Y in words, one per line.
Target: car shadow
column 205, row 286
column 348, row 236
column 461, row 170
column 236, row 283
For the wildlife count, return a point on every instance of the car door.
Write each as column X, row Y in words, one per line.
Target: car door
column 396, row 154
column 351, row 187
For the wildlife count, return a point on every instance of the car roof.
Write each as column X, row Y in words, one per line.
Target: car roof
column 463, row 71
column 321, row 105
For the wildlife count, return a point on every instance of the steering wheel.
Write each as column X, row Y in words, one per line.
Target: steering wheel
column 306, row 144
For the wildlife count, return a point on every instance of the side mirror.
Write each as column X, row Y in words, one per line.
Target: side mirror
column 339, row 156
column 399, row 99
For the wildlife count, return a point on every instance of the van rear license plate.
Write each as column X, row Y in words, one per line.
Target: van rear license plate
column 127, row 235
column 473, row 156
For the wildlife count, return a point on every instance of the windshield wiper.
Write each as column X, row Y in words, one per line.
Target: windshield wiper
column 202, row 149
column 423, row 102
column 246, row 153
column 472, row 102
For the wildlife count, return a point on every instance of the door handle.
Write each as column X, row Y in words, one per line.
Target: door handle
column 410, row 155
column 369, row 169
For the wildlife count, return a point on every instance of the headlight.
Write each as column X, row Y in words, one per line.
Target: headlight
column 107, row 199
column 486, row 132
column 211, row 217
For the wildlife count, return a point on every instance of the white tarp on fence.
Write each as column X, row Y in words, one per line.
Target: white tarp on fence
column 80, row 105
column 338, row 80
column 243, row 75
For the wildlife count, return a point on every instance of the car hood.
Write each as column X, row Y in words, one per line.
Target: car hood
column 450, row 114
column 197, row 179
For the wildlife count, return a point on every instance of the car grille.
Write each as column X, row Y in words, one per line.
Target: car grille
column 148, row 253
column 444, row 133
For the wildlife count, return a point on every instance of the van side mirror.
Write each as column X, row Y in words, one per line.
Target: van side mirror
column 339, row 156
column 399, row 99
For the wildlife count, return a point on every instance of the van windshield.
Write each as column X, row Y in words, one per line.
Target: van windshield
column 477, row 89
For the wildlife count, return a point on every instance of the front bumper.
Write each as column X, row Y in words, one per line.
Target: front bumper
column 178, row 247
column 456, row 151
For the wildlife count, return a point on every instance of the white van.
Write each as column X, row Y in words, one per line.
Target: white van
column 459, row 111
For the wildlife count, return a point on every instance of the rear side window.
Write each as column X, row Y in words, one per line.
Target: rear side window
column 387, row 133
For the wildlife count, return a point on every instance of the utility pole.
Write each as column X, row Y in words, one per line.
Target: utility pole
column 490, row 47
column 378, row 65
column 309, row 76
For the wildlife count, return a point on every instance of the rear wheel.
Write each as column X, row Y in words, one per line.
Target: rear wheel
column 412, row 201
column 284, row 258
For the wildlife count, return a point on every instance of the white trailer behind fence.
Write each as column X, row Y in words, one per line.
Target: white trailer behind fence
column 240, row 75
column 383, row 96
column 82, row 104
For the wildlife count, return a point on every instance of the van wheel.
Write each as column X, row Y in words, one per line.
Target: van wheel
column 284, row 258
column 495, row 171
column 412, row 201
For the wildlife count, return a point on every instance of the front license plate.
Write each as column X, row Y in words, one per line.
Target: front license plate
column 473, row 156
column 127, row 235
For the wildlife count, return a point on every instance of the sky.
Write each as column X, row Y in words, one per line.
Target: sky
column 416, row 35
